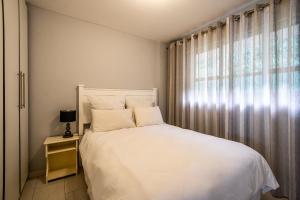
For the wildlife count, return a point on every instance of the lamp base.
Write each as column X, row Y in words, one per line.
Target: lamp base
column 68, row 133
column 67, row 136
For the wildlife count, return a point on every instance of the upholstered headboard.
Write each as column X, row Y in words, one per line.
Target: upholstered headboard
column 83, row 108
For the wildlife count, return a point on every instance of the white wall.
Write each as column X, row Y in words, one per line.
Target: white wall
column 64, row 51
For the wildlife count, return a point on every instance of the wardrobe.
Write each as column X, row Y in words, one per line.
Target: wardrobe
column 14, row 101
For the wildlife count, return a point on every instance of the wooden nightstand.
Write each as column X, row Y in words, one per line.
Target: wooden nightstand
column 61, row 156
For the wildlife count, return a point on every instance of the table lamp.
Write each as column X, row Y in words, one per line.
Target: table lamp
column 68, row 116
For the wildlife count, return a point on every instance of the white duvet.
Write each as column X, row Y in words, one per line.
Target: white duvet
column 164, row 162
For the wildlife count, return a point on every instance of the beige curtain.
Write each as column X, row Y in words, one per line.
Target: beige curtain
column 240, row 80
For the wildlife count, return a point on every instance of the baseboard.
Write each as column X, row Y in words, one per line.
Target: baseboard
column 37, row 173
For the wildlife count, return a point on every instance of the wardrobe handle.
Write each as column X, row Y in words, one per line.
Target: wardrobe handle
column 20, row 89
column 23, row 90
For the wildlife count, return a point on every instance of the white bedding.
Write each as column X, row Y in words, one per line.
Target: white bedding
column 164, row 162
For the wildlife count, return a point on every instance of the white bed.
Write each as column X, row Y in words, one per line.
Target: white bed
column 164, row 162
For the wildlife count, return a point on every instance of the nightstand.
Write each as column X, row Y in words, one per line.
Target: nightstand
column 61, row 156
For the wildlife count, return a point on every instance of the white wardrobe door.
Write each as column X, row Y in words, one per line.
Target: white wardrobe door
column 1, row 102
column 11, row 49
column 24, row 110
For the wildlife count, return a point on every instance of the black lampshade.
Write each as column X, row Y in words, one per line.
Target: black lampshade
column 67, row 115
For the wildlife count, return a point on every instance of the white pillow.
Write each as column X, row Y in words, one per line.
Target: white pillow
column 106, row 102
column 145, row 116
column 107, row 120
column 139, row 101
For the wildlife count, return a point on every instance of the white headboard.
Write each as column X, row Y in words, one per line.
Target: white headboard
column 83, row 108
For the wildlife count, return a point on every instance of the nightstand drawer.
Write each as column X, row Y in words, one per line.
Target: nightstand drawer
column 61, row 147
column 62, row 160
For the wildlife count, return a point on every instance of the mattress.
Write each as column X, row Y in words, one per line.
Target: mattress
column 164, row 162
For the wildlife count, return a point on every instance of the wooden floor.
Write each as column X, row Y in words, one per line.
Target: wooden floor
column 69, row 188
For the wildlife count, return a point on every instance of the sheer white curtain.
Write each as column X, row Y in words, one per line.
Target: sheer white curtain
column 240, row 80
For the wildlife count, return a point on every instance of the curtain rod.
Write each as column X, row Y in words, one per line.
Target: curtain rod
column 210, row 28
column 258, row 7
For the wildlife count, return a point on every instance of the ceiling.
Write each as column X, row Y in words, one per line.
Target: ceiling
column 161, row 20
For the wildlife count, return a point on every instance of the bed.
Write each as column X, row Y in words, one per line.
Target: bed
column 164, row 162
